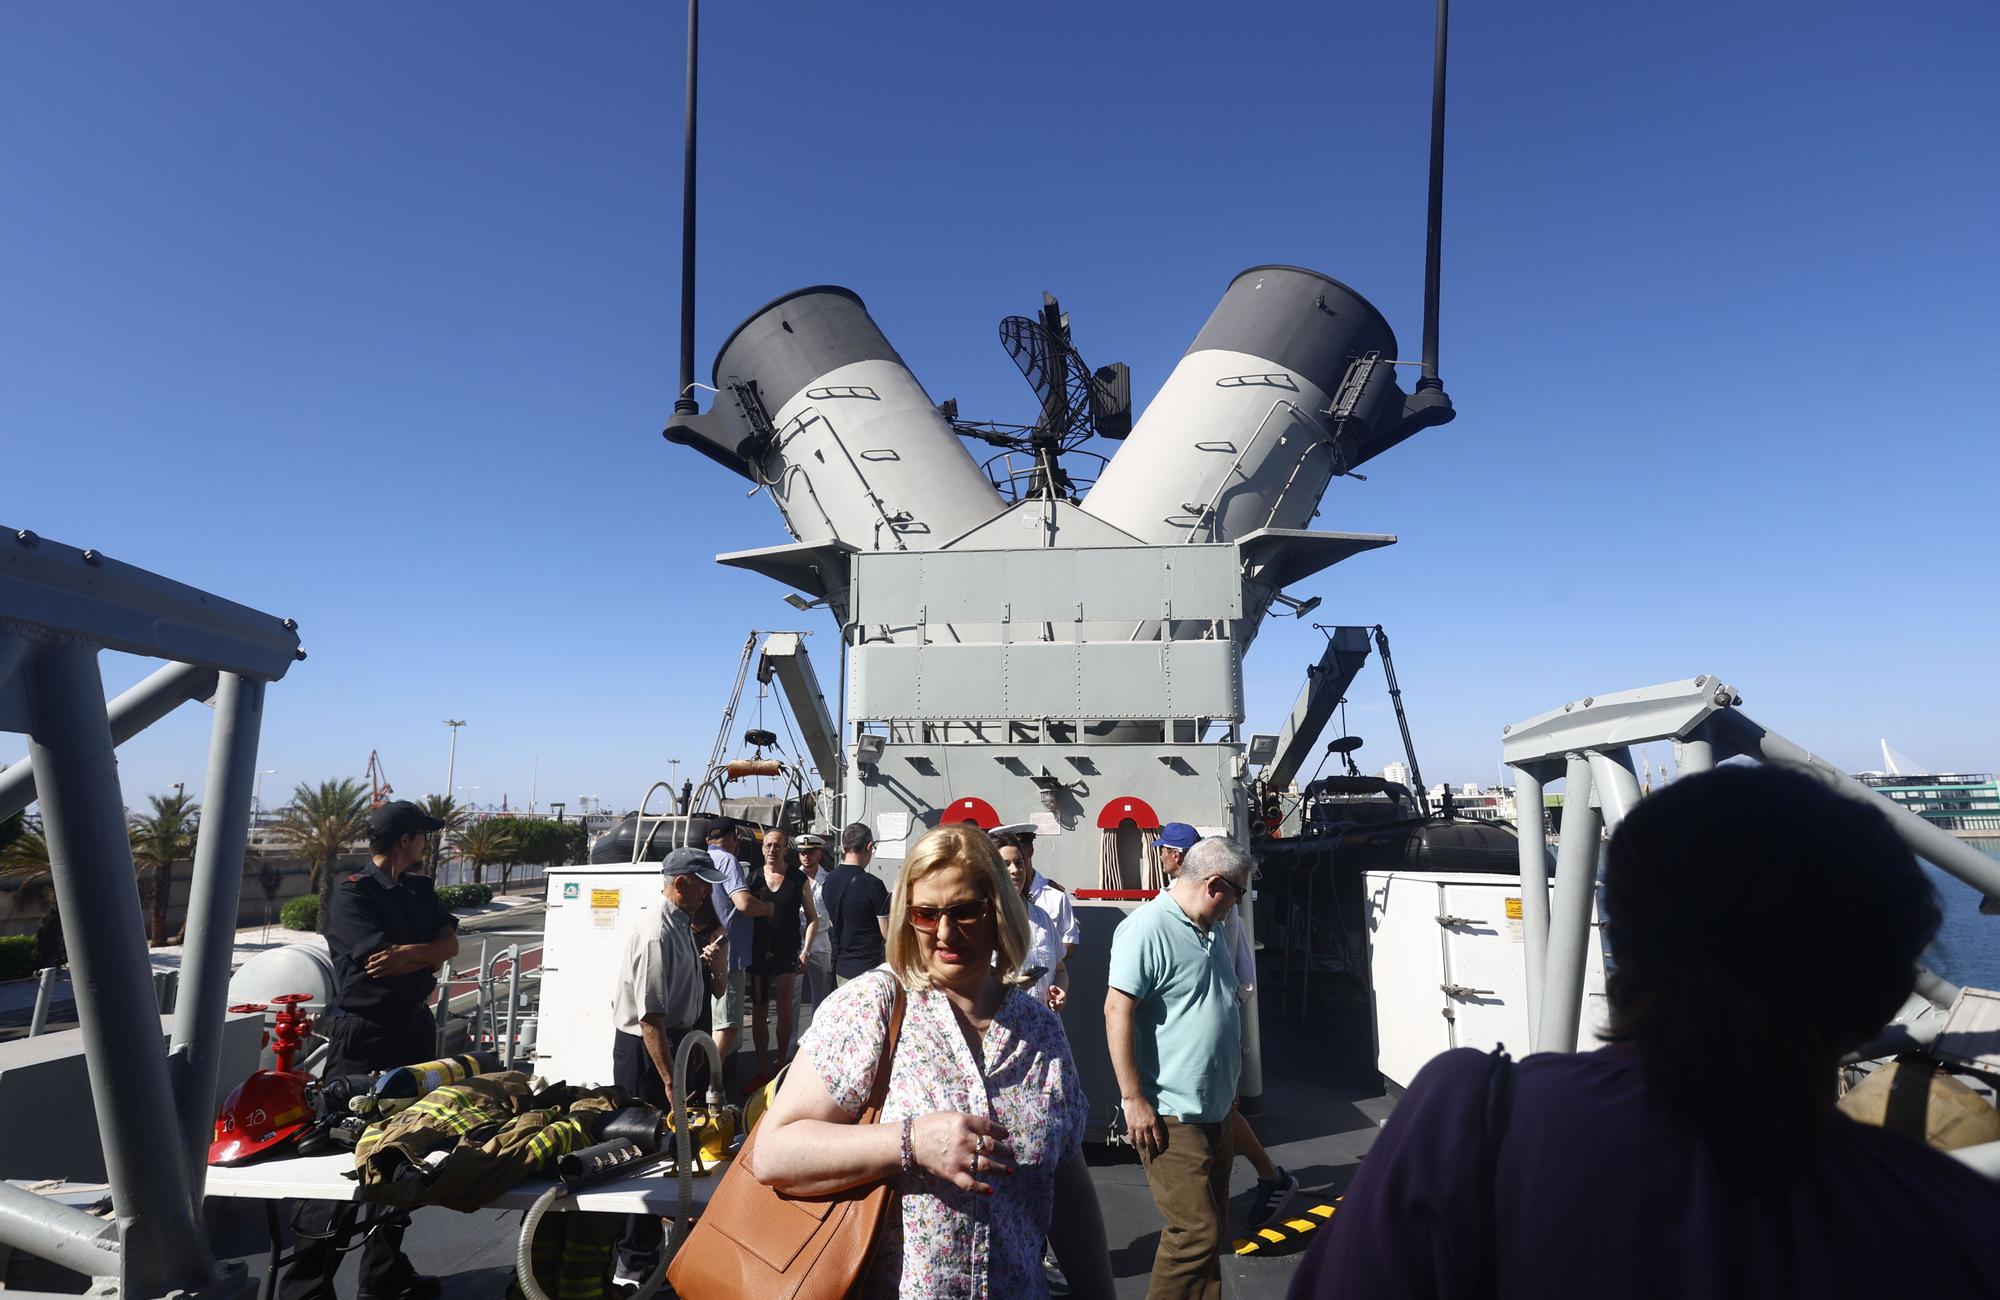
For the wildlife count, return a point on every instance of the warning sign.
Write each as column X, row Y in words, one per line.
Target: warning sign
column 1513, row 909
column 604, row 898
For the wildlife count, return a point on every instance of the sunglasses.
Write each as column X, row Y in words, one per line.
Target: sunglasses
column 961, row 914
column 1234, row 888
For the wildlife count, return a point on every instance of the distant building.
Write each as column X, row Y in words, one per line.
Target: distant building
column 1397, row 772
column 1954, row 801
column 1473, row 802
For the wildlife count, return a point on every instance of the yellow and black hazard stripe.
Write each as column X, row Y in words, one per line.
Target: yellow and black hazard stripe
column 1286, row 1235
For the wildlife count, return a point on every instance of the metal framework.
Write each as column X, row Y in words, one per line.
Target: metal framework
column 59, row 607
column 1587, row 744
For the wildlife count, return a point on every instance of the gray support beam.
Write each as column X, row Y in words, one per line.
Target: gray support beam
column 1326, row 682
column 213, row 891
column 1616, row 784
column 1251, row 1084
column 53, row 1231
column 1533, row 843
column 129, row 714
column 1936, row 989
column 1934, row 845
column 45, row 991
column 1569, row 927
column 108, row 603
column 14, row 651
column 1694, row 753
column 76, row 771
column 784, row 657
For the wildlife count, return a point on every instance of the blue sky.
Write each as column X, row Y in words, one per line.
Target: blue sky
column 365, row 315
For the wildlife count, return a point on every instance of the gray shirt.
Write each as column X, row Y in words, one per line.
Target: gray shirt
column 659, row 972
column 741, row 927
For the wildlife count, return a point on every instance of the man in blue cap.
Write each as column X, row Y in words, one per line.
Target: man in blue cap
column 1176, row 838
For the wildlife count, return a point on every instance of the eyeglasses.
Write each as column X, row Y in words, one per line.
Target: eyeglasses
column 1234, row 888
column 961, row 914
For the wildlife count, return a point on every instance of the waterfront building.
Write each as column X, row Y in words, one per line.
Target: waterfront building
column 1954, row 801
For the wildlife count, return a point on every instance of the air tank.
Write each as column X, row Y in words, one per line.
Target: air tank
column 1238, row 437
column 854, row 449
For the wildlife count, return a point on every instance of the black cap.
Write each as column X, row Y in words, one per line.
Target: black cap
column 398, row 818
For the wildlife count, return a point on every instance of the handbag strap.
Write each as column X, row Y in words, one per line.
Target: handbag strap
column 880, row 1091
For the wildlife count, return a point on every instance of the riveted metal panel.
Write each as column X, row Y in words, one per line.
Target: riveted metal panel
column 1030, row 680
column 883, row 682
column 1205, row 680
column 1042, row 681
column 1203, row 582
column 1110, row 584
column 1125, row 679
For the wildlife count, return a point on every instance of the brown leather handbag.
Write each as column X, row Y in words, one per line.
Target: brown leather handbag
column 752, row 1241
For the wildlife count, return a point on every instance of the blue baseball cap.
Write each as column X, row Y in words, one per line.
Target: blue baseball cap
column 1179, row 835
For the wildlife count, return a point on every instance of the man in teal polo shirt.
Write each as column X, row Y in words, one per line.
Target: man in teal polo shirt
column 1171, row 1017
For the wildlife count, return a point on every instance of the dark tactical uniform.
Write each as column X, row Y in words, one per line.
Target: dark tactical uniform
column 378, row 1024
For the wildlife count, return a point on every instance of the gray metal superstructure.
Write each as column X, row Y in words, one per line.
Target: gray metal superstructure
column 1074, row 665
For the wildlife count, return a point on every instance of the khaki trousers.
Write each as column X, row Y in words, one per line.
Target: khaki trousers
column 1190, row 1185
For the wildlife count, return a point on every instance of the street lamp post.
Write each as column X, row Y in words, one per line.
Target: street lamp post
column 257, row 794
column 451, row 769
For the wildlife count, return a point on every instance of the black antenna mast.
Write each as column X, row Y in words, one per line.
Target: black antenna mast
column 684, row 403
column 1435, row 224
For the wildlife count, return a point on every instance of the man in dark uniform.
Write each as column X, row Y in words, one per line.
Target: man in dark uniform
column 387, row 934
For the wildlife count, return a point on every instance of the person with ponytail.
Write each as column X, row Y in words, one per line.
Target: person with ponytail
column 1760, row 926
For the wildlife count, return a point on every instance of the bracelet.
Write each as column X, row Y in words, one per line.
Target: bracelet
column 909, row 1156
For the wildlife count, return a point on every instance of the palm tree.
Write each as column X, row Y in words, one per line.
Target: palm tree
column 321, row 824
column 445, row 809
column 485, row 844
column 24, row 860
column 161, row 838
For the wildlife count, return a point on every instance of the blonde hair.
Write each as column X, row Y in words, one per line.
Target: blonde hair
column 968, row 847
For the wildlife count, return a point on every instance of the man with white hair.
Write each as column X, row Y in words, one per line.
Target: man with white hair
column 1275, row 1184
column 1173, row 1025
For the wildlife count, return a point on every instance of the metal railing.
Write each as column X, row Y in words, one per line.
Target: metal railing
column 498, row 1011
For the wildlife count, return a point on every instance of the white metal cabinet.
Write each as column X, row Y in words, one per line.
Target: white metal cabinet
column 589, row 908
column 1447, row 966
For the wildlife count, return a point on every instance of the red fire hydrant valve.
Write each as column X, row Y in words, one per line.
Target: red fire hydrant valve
column 289, row 1028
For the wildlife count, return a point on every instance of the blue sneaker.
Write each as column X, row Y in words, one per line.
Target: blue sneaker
column 1272, row 1196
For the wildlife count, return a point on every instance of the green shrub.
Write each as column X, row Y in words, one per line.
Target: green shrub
column 467, row 895
column 17, row 956
column 301, row 913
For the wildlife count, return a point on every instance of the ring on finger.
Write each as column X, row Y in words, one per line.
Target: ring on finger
column 976, row 1159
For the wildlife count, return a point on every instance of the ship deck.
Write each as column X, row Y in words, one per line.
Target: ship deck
column 1322, row 1105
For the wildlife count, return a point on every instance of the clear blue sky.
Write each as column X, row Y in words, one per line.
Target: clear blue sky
column 364, row 314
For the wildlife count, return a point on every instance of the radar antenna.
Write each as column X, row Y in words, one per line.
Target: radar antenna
column 1077, row 403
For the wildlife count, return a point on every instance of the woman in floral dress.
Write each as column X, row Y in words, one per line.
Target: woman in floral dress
column 982, row 1127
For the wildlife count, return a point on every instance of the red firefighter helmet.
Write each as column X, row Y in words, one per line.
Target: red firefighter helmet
column 266, row 1111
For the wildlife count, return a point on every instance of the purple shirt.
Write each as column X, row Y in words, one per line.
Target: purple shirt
column 1600, row 1191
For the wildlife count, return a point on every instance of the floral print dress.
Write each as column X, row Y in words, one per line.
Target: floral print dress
column 951, row 1244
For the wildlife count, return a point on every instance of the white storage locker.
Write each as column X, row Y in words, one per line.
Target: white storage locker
column 588, row 910
column 1447, row 965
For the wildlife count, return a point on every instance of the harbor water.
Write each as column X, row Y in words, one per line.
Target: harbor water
column 1967, row 949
